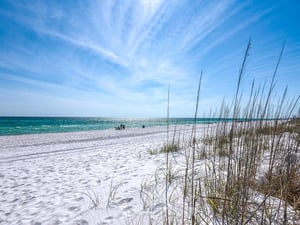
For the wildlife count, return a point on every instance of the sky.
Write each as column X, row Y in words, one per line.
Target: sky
column 117, row 58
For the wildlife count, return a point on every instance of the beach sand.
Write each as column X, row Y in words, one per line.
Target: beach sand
column 91, row 177
column 112, row 177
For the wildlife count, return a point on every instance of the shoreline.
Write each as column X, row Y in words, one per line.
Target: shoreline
column 11, row 126
column 102, row 134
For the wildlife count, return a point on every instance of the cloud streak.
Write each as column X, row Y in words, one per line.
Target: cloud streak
column 130, row 51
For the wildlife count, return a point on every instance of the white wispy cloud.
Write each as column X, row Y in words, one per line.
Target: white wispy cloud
column 130, row 51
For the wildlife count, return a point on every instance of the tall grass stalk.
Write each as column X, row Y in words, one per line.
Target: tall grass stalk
column 167, row 159
column 194, row 152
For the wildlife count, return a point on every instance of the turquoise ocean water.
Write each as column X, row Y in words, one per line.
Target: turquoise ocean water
column 36, row 125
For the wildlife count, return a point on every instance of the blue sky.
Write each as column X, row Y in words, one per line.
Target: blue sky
column 116, row 58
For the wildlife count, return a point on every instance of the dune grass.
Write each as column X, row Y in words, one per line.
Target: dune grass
column 237, row 172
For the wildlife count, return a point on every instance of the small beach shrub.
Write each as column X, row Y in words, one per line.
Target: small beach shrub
column 284, row 185
column 207, row 140
column 168, row 148
column 113, row 189
column 171, row 174
column 93, row 197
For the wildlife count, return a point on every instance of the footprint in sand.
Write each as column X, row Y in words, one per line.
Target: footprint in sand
column 124, row 200
column 73, row 208
column 80, row 222
column 33, row 211
column 57, row 222
column 35, row 223
column 79, row 199
column 108, row 220
column 103, row 223
column 128, row 208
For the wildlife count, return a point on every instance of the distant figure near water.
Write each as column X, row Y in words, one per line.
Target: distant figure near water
column 121, row 127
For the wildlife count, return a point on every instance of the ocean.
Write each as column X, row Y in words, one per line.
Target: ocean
column 37, row 125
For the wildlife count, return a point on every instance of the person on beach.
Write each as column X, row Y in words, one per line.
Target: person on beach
column 121, row 127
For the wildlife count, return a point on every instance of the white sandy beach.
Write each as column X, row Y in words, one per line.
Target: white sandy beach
column 97, row 177
column 48, row 178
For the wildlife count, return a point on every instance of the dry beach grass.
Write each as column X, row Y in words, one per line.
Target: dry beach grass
column 245, row 171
